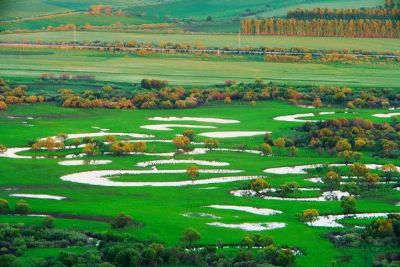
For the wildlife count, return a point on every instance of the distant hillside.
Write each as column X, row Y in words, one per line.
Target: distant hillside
column 183, row 15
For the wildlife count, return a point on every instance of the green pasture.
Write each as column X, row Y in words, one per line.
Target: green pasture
column 226, row 9
column 313, row 4
column 191, row 69
column 186, row 14
column 33, row 9
column 161, row 209
column 79, row 19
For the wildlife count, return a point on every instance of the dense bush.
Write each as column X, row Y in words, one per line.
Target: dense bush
column 153, row 84
column 122, row 221
column 160, row 96
column 387, row 260
column 113, row 249
column 381, row 232
column 341, row 135
column 16, row 238
column 22, row 207
column 4, row 206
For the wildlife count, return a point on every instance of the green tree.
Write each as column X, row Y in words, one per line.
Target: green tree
column 293, row 151
column 349, row 156
column 287, row 188
column 381, row 228
column 268, row 139
column 390, row 171
column 22, row 207
column 89, row 149
column 3, row 106
column 8, row 260
column 266, row 149
column 371, row 180
column 211, row 143
column 189, row 134
column 359, row 170
column 193, row 172
column 278, row 256
column 280, row 142
column 190, row 235
column 181, row 142
column 62, row 136
column 258, row 185
column 248, row 241
column 122, row 221
column 342, row 145
column 122, row 147
column 76, row 142
column 309, row 215
column 48, row 222
column 3, row 148
column 348, row 205
column 332, row 180
column 4, row 206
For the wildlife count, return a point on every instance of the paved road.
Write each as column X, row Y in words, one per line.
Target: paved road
column 178, row 50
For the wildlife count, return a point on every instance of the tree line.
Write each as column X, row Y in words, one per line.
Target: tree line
column 106, row 10
column 345, row 14
column 155, row 94
column 111, row 249
column 380, row 233
column 392, row 4
column 330, row 58
column 180, row 98
column 366, row 28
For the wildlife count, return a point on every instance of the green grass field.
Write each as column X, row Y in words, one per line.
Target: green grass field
column 164, row 206
column 230, row 8
column 76, row 18
column 313, row 4
column 204, row 70
column 151, row 196
column 31, row 9
column 215, row 40
column 225, row 13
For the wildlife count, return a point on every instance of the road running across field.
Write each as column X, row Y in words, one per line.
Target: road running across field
column 69, row 46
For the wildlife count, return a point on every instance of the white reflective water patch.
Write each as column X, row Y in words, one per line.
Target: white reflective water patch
column 102, row 178
column 250, row 226
column 169, row 127
column 233, row 134
column 182, row 161
column 84, row 162
column 253, row 210
column 331, row 220
column 196, row 119
column 38, row 196
column 298, row 117
column 388, row 115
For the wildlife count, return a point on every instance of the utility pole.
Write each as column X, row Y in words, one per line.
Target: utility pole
column 239, row 38
column 74, row 34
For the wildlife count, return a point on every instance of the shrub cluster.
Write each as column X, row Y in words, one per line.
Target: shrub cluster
column 16, row 238
column 344, row 136
column 381, row 232
column 156, row 95
column 113, row 249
